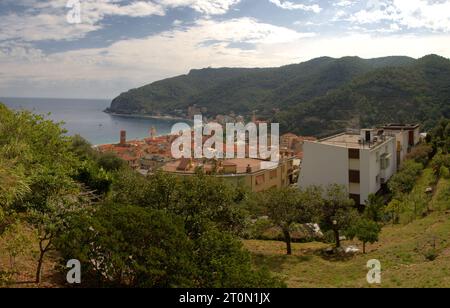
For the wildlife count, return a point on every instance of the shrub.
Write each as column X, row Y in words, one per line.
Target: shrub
column 403, row 181
column 420, row 154
column 431, row 254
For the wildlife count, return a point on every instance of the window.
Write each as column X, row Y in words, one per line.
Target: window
column 273, row 174
column 260, row 179
column 385, row 161
column 385, row 164
column 353, row 153
column 354, row 176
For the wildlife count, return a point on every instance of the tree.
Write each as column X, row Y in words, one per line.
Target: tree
column 222, row 262
column 201, row 200
column 365, row 230
column 337, row 211
column 374, row 208
column 14, row 185
column 110, row 162
column 403, row 181
column 16, row 242
column 94, row 177
column 36, row 168
column 51, row 221
column 288, row 206
column 420, row 154
column 394, row 208
column 439, row 161
column 130, row 246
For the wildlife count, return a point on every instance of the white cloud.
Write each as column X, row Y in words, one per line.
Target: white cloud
column 288, row 5
column 412, row 14
column 134, row 62
column 46, row 20
column 138, row 61
column 344, row 3
column 208, row 7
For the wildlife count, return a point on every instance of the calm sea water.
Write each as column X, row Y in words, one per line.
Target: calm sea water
column 86, row 118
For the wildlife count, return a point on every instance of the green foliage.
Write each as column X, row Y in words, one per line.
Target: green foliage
column 374, row 209
column 439, row 136
column 202, row 201
column 288, row 206
column 110, row 162
column 317, row 97
column 94, row 177
column 222, row 263
column 420, row 154
column 256, row 229
column 365, row 230
column 159, row 231
column 338, row 212
column 130, row 246
column 439, row 163
column 403, row 181
column 445, row 172
column 393, row 209
column 82, row 148
column 17, row 243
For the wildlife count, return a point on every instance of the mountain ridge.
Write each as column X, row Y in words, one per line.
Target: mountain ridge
column 305, row 91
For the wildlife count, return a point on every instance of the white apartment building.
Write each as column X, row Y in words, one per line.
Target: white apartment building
column 360, row 162
column 407, row 135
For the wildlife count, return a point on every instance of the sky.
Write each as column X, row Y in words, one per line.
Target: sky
column 100, row 48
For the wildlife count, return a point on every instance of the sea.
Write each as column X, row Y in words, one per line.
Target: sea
column 85, row 117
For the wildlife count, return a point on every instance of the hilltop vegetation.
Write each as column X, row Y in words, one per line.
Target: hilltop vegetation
column 317, row 97
column 61, row 200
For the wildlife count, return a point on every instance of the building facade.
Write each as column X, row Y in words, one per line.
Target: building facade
column 240, row 172
column 407, row 136
column 361, row 163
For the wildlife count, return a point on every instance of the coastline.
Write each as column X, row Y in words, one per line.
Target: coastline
column 142, row 116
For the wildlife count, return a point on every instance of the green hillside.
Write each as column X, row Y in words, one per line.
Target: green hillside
column 419, row 92
column 244, row 90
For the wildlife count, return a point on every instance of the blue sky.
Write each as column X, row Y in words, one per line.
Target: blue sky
column 122, row 44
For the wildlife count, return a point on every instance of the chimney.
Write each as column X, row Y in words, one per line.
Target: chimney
column 123, row 137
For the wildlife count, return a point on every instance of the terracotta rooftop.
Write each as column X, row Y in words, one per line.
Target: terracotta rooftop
column 241, row 165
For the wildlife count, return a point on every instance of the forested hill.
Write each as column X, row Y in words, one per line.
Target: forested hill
column 315, row 97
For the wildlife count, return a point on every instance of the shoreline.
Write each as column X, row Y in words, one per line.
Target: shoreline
column 142, row 116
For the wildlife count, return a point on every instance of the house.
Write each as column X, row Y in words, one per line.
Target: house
column 407, row 136
column 239, row 172
column 362, row 162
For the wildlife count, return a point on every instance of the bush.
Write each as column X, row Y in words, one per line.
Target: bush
column 403, row 181
column 431, row 254
column 257, row 228
column 110, row 162
column 128, row 246
column 445, row 173
column 420, row 154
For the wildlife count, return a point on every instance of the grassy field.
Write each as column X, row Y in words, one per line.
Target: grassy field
column 406, row 253
column 402, row 250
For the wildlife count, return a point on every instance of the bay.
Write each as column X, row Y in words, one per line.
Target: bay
column 86, row 118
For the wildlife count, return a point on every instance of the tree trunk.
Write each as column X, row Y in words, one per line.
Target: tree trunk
column 43, row 249
column 287, row 239
column 364, row 247
column 337, row 238
column 39, row 266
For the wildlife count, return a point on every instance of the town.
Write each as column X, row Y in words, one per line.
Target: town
column 361, row 160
